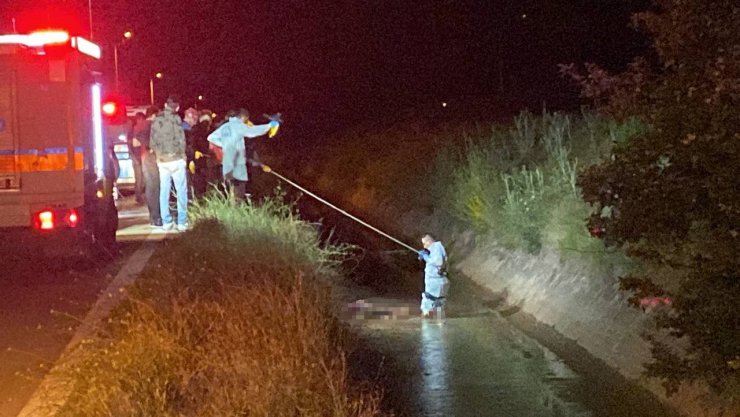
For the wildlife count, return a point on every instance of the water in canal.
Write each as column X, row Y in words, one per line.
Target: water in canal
column 477, row 362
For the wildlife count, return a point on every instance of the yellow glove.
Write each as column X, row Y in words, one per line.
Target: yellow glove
column 198, row 154
column 273, row 131
column 191, row 167
column 266, row 168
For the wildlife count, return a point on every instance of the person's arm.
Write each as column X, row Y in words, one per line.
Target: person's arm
column 215, row 137
column 180, row 133
column 153, row 137
column 253, row 131
column 436, row 256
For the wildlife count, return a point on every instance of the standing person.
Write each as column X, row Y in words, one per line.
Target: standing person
column 135, row 151
column 436, row 283
column 198, row 142
column 150, row 171
column 168, row 142
column 229, row 137
column 189, row 120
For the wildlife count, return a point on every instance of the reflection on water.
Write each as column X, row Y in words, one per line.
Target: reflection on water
column 484, row 367
column 434, row 366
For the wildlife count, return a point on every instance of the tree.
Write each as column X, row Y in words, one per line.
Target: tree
column 671, row 196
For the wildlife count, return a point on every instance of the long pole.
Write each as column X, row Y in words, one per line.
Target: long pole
column 369, row 226
column 115, row 60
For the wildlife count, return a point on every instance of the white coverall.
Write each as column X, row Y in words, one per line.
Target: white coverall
column 435, row 284
column 230, row 137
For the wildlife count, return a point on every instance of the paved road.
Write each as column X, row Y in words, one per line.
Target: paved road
column 41, row 302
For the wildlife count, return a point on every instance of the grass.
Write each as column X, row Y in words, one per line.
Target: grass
column 518, row 182
column 232, row 319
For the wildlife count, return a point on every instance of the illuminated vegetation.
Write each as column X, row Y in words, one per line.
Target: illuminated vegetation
column 232, row 319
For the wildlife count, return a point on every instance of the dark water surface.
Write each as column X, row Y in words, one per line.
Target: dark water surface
column 482, row 365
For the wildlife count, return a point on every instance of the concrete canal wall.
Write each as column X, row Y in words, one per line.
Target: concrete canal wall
column 580, row 302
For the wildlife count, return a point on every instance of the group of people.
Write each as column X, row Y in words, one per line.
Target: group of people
column 169, row 150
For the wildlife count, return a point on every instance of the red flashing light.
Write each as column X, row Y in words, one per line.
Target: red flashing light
column 37, row 39
column 73, row 219
column 46, row 220
column 109, row 108
column 47, row 38
column 41, row 39
column 113, row 110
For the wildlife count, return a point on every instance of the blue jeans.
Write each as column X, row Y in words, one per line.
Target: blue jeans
column 168, row 172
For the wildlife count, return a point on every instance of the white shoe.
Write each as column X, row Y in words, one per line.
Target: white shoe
column 182, row 227
column 168, row 226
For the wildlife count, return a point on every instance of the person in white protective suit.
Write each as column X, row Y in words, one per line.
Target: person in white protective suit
column 229, row 138
column 436, row 283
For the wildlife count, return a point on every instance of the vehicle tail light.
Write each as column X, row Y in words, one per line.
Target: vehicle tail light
column 73, row 219
column 109, row 108
column 45, row 220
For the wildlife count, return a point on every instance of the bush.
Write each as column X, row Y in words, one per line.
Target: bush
column 670, row 196
column 233, row 318
column 518, row 182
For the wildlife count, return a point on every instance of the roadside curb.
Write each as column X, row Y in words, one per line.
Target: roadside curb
column 52, row 394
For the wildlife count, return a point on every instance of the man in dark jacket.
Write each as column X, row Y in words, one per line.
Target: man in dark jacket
column 168, row 143
column 199, row 154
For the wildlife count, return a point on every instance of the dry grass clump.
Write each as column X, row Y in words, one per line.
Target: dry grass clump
column 215, row 327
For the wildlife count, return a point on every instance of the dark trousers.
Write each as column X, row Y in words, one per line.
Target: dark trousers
column 138, row 174
column 239, row 188
column 199, row 179
column 151, row 187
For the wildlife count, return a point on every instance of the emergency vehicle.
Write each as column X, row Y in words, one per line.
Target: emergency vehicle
column 56, row 167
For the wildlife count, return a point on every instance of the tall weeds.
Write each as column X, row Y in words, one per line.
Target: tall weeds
column 519, row 182
column 232, row 319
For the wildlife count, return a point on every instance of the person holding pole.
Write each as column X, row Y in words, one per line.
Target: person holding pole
column 229, row 137
column 436, row 283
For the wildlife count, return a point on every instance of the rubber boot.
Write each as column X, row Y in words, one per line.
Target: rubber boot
column 439, row 313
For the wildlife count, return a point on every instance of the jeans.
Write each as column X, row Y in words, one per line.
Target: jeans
column 151, row 187
column 173, row 171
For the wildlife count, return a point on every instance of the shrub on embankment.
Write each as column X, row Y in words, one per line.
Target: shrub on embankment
column 518, row 184
column 515, row 181
column 231, row 319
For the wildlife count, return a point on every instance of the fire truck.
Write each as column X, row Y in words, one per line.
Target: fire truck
column 56, row 167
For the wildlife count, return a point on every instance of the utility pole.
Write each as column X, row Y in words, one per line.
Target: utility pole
column 151, row 86
column 115, row 62
column 89, row 14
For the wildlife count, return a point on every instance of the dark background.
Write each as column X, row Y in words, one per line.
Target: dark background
column 331, row 64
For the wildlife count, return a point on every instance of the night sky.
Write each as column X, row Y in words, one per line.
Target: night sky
column 340, row 62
